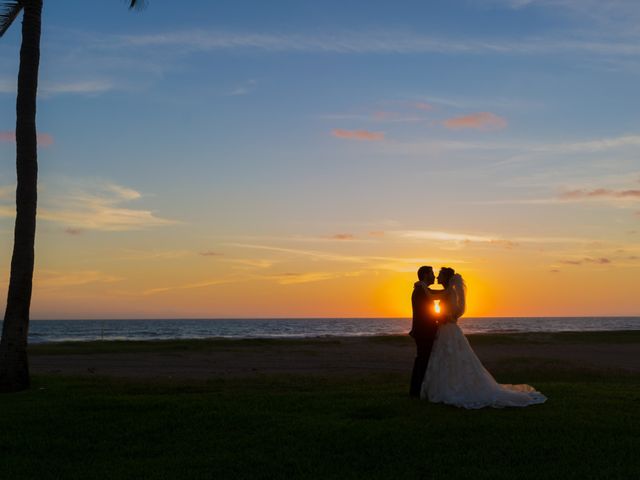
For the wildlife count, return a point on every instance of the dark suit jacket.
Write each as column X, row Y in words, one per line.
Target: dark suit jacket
column 423, row 326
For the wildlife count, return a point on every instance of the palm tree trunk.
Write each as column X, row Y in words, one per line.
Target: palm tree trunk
column 14, row 365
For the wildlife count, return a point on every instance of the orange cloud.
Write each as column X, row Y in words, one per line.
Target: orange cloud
column 210, row 253
column 44, row 139
column 423, row 106
column 582, row 261
column 599, row 193
column 376, row 233
column 342, row 236
column 357, row 134
column 477, row 121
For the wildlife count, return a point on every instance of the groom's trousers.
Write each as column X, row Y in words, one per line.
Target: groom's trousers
column 420, row 364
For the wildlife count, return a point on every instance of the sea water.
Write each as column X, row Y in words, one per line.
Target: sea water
column 84, row 330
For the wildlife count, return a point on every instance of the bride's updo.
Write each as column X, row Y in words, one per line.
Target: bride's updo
column 445, row 275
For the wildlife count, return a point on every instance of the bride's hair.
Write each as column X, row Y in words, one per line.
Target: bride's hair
column 446, row 274
column 460, row 288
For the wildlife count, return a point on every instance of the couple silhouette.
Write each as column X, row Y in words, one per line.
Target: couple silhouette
column 446, row 369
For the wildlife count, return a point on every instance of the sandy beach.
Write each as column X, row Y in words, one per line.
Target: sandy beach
column 325, row 356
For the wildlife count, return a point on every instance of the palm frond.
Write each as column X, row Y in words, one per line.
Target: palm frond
column 8, row 13
column 137, row 4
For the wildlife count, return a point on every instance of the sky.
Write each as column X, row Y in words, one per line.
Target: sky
column 303, row 159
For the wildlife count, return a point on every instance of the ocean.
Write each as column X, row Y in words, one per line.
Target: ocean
column 42, row 331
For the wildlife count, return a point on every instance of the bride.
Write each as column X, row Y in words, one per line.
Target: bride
column 455, row 375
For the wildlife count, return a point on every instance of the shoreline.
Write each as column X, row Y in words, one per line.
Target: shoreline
column 533, row 336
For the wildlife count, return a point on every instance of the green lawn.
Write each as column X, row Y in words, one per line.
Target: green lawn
column 316, row 427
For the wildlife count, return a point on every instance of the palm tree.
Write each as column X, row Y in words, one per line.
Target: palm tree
column 14, row 365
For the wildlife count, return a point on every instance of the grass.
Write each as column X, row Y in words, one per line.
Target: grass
column 316, row 427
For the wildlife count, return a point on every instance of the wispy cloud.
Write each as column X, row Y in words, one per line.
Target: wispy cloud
column 600, row 193
column 56, row 279
column 459, row 238
column 92, row 205
column 72, row 87
column 342, row 236
column 86, row 87
column 189, row 286
column 485, row 121
column 153, row 254
column 44, row 139
column 423, row 106
column 368, row 262
column 367, row 42
column 592, row 146
column 587, row 260
column 244, row 88
column 209, row 253
column 357, row 134
column 309, row 277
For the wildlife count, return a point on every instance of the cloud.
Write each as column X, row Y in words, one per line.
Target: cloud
column 44, row 139
column 376, row 234
column 7, row 192
column 423, row 106
column 382, row 115
column 357, row 134
column 210, row 253
column 440, row 236
column 86, row 87
column 243, row 89
column 368, row 262
column 600, row 193
column 460, row 238
column 366, row 42
column 587, row 260
column 394, row 117
column 306, row 277
column 55, row 279
column 593, row 146
column 154, row 254
column 466, row 238
column 251, row 262
column 342, row 236
column 91, row 205
column 485, row 121
column 48, row 89
column 8, row 85
column 189, row 286
column 73, row 231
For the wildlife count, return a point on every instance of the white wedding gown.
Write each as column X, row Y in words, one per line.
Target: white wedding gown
column 455, row 376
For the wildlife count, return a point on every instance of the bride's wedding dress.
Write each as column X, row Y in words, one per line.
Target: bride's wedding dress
column 455, row 375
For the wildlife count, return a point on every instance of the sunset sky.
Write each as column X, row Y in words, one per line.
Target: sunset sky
column 302, row 159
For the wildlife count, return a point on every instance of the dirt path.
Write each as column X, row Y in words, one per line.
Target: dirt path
column 346, row 356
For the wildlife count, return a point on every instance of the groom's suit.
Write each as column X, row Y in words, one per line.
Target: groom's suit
column 423, row 331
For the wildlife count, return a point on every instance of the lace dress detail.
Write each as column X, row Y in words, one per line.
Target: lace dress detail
column 456, row 376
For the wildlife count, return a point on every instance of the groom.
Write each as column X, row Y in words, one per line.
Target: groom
column 423, row 328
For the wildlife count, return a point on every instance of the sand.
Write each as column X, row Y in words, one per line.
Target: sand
column 341, row 356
